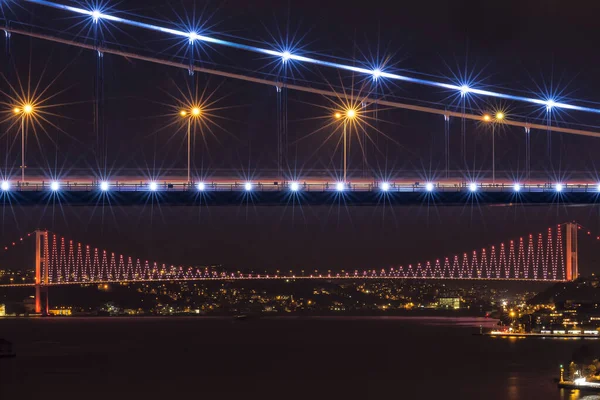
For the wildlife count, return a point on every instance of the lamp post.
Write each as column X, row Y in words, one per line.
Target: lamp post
column 24, row 111
column 193, row 113
column 499, row 117
column 349, row 114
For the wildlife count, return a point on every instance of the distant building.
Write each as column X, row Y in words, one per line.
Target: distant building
column 2, row 310
column 449, row 302
column 60, row 311
column 29, row 305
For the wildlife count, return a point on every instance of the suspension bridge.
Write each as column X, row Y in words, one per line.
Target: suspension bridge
column 355, row 118
column 550, row 256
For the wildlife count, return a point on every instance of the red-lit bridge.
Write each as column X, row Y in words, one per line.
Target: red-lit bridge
column 549, row 256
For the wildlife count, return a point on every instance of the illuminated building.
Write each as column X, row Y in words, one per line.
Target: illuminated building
column 449, row 302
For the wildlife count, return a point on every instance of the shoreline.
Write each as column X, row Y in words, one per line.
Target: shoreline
column 539, row 335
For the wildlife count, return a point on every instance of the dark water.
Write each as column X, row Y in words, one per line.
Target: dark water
column 283, row 358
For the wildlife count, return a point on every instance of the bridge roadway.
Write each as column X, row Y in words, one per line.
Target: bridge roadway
column 280, row 278
column 321, row 187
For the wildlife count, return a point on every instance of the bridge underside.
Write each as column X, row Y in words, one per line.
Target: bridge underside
column 286, row 198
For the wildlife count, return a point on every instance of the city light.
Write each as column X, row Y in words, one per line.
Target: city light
column 429, row 187
column 376, row 74
column 337, row 115
column 294, row 186
column 385, row 186
column 473, row 187
column 598, row 188
column 183, row 113
column 558, row 187
column 464, row 89
column 27, row 108
column 5, row 185
column 16, row 110
column 248, row 186
column 499, row 116
column 193, row 36
column 517, row 187
column 153, row 186
column 286, row 55
column 96, row 16
column 351, row 113
column 54, row 186
column 340, row 186
column 550, row 104
column 201, row 186
column 104, row 186
column 196, row 111
column 487, row 118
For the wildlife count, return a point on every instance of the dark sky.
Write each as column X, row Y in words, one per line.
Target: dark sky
column 513, row 46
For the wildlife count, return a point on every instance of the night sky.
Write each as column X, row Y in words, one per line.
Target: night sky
column 521, row 47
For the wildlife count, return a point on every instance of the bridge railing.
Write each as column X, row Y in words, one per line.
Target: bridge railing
column 305, row 187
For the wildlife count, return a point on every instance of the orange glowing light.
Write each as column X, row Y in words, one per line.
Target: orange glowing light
column 487, row 118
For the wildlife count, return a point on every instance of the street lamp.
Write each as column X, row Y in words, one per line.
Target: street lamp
column 193, row 113
column 24, row 111
column 499, row 117
column 349, row 114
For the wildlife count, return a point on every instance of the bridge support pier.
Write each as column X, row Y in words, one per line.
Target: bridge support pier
column 572, row 267
column 41, row 271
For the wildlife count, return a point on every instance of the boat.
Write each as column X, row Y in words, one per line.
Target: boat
column 6, row 349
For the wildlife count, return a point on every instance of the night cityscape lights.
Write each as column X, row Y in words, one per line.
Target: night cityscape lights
column 340, row 186
column 558, row 187
column 5, row 185
column 248, row 186
column 429, row 187
column 104, row 186
column 473, row 187
column 55, row 186
column 294, row 186
column 201, row 186
column 153, row 186
column 517, row 187
column 385, row 186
